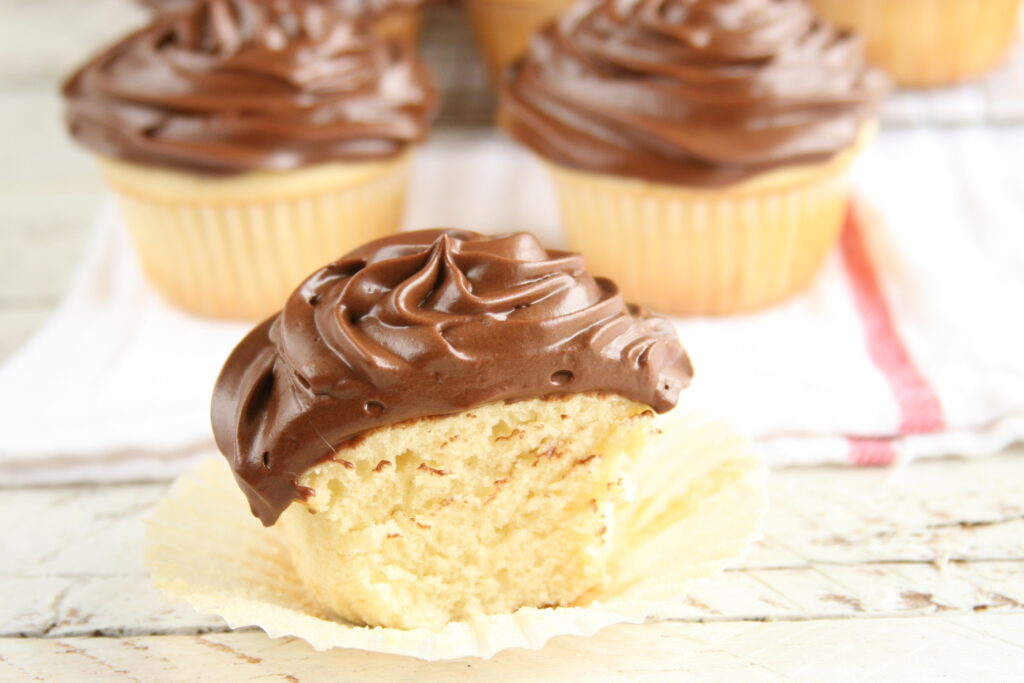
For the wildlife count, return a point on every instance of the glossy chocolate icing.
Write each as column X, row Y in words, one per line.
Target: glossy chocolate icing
column 691, row 92
column 348, row 7
column 424, row 324
column 230, row 86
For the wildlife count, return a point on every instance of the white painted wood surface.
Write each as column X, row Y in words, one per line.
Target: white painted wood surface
column 862, row 573
column 987, row 648
column 913, row 574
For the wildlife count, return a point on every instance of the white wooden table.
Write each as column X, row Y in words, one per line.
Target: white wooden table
column 863, row 574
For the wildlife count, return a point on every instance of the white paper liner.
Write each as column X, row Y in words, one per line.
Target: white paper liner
column 700, row 499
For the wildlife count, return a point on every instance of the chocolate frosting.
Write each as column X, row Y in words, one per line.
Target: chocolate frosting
column 424, row 324
column 691, row 92
column 349, row 7
column 230, row 86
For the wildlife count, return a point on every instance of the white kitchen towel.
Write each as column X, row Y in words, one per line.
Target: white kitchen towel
column 910, row 343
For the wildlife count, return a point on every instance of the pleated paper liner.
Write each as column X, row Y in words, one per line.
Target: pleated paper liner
column 700, row 251
column 700, row 500
column 930, row 43
column 237, row 247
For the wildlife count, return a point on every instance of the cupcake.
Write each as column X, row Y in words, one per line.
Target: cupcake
column 441, row 424
column 503, row 28
column 699, row 147
column 249, row 142
column 929, row 43
column 389, row 19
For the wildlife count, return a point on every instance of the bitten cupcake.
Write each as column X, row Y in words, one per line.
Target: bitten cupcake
column 249, row 142
column 930, row 43
column 390, row 19
column 503, row 28
column 699, row 147
column 442, row 424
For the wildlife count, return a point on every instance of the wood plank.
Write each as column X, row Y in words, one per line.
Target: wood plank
column 18, row 323
column 129, row 605
column 921, row 649
column 74, row 531
column 41, row 156
column 46, row 39
column 40, row 245
column 86, row 577
column 932, row 511
column 114, row 606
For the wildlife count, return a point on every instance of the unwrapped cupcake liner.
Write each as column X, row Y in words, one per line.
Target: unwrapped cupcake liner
column 700, row 500
column 927, row 43
column 503, row 28
column 239, row 252
column 717, row 251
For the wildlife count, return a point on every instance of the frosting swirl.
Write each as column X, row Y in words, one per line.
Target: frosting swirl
column 422, row 324
column 691, row 92
column 355, row 8
column 230, row 86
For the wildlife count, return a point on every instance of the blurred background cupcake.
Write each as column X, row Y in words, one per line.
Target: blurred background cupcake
column 928, row 43
column 699, row 147
column 248, row 142
column 503, row 28
column 390, row 19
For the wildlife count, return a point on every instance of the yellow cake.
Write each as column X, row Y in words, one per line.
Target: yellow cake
column 482, row 512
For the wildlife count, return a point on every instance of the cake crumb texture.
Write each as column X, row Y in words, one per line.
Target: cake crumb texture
column 483, row 512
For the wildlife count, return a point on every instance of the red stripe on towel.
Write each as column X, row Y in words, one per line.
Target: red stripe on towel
column 871, row 452
column 920, row 409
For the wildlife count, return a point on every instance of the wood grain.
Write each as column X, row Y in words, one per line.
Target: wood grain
column 939, row 538
column 901, row 649
column 881, row 574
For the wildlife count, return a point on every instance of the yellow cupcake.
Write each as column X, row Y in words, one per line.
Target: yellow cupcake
column 503, row 28
column 463, row 440
column 929, row 43
column 244, row 152
column 699, row 151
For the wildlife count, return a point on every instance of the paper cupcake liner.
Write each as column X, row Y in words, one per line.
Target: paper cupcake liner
column 237, row 248
column 699, row 502
column 690, row 251
column 927, row 43
column 503, row 28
